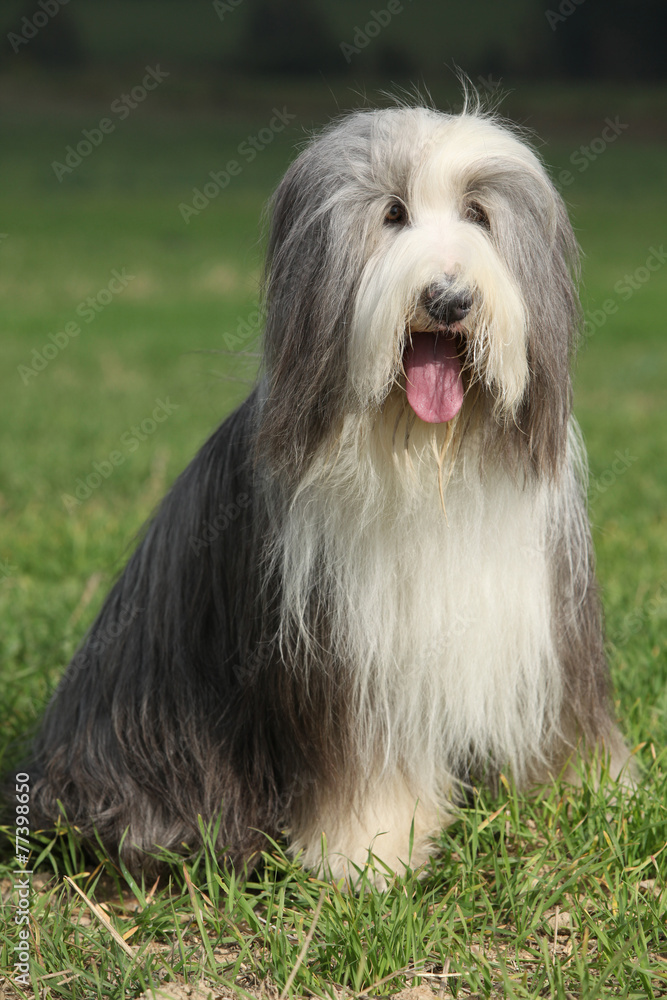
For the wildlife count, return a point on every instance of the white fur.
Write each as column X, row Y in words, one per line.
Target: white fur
column 445, row 613
column 434, row 559
column 441, row 241
column 394, row 824
column 446, row 616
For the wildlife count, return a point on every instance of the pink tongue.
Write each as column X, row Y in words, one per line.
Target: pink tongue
column 433, row 370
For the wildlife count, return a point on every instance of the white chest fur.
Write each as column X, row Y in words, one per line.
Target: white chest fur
column 445, row 615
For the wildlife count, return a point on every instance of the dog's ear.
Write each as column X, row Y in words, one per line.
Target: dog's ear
column 546, row 264
column 311, row 272
column 554, row 321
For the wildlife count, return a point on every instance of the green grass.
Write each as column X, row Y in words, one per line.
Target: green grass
column 486, row 911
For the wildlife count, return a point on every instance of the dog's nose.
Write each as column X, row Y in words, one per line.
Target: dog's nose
column 446, row 307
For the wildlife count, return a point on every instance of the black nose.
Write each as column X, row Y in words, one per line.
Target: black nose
column 446, row 307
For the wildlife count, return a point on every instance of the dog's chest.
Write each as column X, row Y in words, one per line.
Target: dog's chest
column 428, row 585
column 445, row 616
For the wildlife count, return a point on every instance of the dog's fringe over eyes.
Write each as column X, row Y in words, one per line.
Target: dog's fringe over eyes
column 405, row 595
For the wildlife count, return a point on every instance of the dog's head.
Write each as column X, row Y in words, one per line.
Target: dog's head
column 419, row 262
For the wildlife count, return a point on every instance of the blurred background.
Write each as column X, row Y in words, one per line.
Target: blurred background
column 139, row 142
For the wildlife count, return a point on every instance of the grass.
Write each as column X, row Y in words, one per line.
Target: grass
column 530, row 898
column 560, row 895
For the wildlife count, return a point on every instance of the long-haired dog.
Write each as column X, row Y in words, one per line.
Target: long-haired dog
column 375, row 579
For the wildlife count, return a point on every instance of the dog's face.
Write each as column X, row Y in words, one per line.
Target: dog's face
column 424, row 259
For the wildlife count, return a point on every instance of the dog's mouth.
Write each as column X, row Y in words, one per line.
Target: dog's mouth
column 433, row 379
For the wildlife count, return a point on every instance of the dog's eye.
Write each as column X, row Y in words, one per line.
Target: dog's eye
column 475, row 213
column 395, row 213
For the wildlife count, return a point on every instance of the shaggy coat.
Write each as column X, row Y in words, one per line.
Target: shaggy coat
column 341, row 611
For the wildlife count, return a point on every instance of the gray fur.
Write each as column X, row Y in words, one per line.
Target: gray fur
column 211, row 700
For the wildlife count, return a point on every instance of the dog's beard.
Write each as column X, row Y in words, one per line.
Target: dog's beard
column 437, row 365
